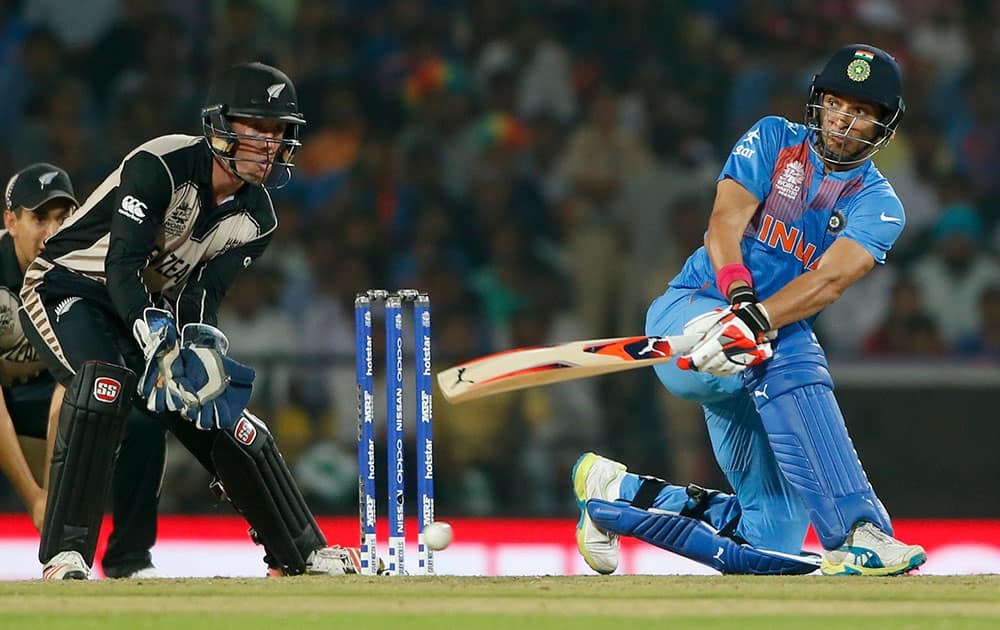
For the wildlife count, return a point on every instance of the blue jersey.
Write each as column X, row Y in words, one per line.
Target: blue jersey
column 803, row 209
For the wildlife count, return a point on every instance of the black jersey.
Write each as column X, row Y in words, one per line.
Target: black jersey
column 14, row 346
column 25, row 380
column 153, row 230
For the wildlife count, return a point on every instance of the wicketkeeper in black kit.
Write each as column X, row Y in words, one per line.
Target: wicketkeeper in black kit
column 150, row 255
column 38, row 199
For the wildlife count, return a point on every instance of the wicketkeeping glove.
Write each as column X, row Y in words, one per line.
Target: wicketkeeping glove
column 222, row 411
column 156, row 334
column 215, row 388
column 734, row 338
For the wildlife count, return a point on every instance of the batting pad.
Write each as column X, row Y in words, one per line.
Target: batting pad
column 91, row 426
column 695, row 539
column 261, row 488
column 816, row 455
column 806, row 430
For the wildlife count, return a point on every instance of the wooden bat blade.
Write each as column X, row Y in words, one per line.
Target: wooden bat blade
column 541, row 365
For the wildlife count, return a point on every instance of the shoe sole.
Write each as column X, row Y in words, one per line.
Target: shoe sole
column 131, row 574
column 846, row 568
column 581, row 470
column 73, row 574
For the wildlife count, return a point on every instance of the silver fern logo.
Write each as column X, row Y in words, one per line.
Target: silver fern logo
column 274, row 91
column 46, row 178
column 63, row 307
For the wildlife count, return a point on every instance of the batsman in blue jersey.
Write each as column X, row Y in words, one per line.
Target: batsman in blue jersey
column 800, row 214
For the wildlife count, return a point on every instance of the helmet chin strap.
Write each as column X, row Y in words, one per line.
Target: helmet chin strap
column 840, row 158
column 223, row 144
column 231, row 164
column 283, row 179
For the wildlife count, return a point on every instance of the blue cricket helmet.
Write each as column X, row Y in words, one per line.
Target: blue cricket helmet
column 863, row 72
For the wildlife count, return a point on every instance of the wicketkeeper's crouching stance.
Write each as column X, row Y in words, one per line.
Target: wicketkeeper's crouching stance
column 121, row 306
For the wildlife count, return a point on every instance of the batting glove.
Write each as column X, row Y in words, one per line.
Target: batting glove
column 734, row 339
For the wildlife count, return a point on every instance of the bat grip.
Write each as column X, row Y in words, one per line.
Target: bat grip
column 685, row 363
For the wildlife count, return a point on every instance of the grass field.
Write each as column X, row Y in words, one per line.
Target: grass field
column 471, row 602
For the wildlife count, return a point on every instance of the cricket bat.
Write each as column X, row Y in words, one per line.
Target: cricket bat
column 540, row 365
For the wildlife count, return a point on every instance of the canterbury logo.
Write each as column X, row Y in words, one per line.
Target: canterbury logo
column 274, row 91
column 63, row 307
column 46, row 178
column 133, row 209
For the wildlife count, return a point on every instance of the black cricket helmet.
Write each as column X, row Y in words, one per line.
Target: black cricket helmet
column 866, row 73
column 252, row 90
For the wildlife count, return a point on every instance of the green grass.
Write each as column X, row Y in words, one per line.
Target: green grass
column 522, row 603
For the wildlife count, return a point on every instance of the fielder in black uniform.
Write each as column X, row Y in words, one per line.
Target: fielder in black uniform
column 38, row 200
column 149, row 257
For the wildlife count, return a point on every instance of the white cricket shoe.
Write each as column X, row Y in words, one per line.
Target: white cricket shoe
column 132, row 572
column 870, row 551
column 334, row 560
column 329, row 561
column 145, row 573
column 596, row 477
column 66, row 565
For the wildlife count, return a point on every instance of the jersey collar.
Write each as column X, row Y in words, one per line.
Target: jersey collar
column 850, row 173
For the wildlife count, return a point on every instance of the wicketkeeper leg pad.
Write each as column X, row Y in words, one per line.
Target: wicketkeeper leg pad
column 695, row 539
column 807, row 433
column 91, row 425
column 258, row 483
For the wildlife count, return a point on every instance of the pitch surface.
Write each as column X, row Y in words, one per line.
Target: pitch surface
column 472, row 603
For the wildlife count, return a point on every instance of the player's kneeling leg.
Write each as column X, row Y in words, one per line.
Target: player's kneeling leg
column 685, row 534
column 255, row 478
column 810, row 441
column 91, row 424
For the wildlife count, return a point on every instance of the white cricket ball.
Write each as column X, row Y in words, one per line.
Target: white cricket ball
column 438, row 535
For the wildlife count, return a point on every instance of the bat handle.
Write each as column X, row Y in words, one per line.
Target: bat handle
column 685, row 363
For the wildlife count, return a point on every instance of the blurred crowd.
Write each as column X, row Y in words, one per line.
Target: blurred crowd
column 541, row 169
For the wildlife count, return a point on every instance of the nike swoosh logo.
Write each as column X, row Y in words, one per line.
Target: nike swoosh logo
column 885, row 217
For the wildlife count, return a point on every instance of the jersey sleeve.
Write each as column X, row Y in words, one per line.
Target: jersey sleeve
column 140, row 205
column 875, row 220
column 199, row 301
column 752, row 158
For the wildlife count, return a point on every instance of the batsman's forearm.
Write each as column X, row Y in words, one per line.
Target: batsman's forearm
column 843, row 264
column 732, row 211
column 723, row 242
column 802, row 297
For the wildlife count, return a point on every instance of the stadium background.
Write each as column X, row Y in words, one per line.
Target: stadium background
column 542, row 169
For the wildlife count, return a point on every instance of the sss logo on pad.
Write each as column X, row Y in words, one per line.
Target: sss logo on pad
column 245, row 431
column 106, row 389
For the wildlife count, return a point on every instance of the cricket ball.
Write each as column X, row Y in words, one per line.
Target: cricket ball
column 437, row 535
